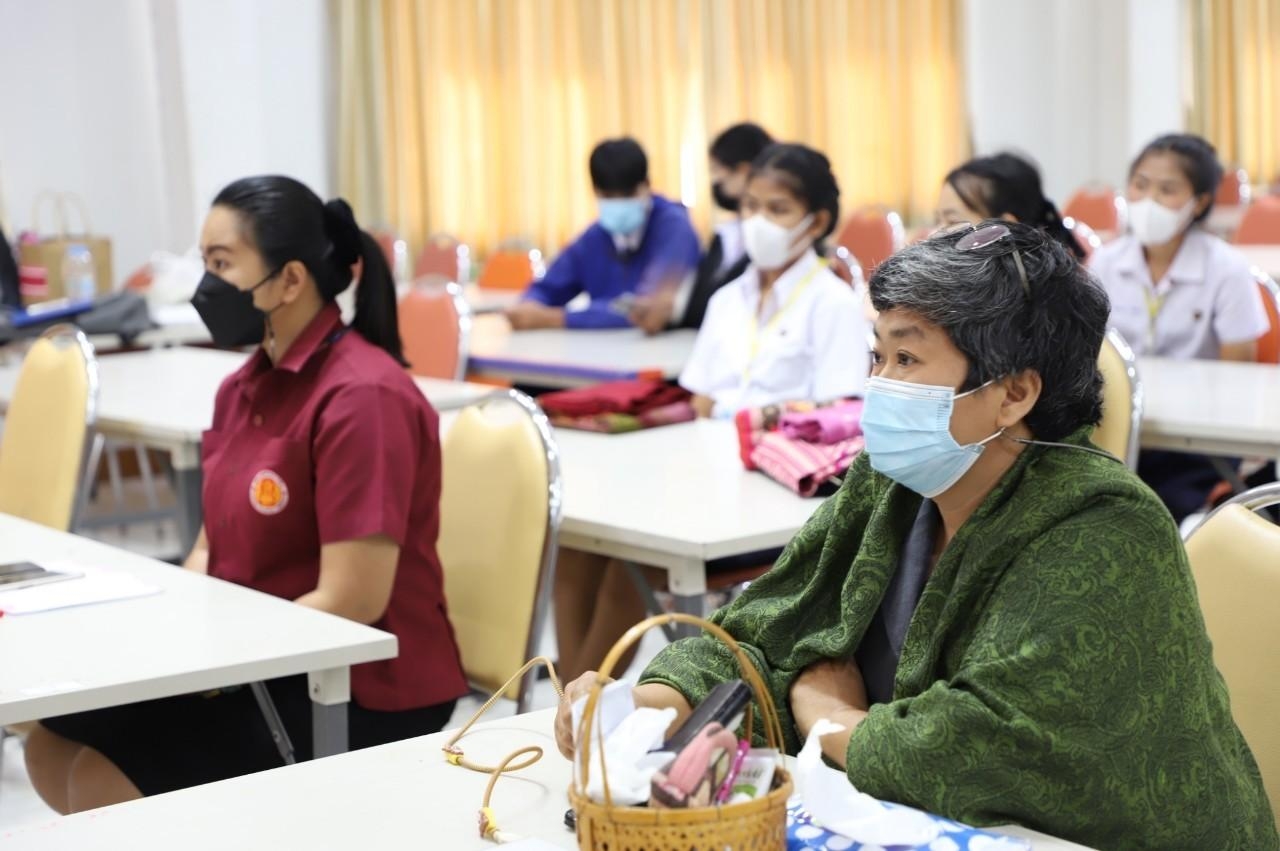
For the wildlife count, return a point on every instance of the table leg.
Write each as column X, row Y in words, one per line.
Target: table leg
column 688, row 584
column 330, row 692
column 187, row 482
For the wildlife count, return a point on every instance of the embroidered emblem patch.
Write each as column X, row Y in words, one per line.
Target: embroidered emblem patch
column 268, row 494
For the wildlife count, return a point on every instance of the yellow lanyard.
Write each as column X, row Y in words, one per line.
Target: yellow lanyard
column 1154, row 305
column 753, row 329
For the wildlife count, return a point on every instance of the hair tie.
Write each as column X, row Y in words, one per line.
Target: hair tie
column 343, row 232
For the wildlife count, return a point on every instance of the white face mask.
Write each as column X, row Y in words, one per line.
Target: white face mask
column 769, row 245
column 1152, row 223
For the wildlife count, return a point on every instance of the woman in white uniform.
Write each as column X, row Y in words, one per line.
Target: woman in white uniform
column 787, row 328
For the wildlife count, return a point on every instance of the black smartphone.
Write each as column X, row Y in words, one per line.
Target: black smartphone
column 726, row 703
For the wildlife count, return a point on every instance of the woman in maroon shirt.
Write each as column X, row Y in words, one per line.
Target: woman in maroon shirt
column 321, row 485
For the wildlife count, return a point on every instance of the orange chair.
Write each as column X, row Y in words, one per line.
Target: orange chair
column 872, row 234
column 1261, row 222
column 513, row 266
column 1234, row 190
column 435, row 328
column 1099, row 207
column 1084, row 236
column 845, row 266
column 444, row 255
column 1269, row 343
column 395, row 249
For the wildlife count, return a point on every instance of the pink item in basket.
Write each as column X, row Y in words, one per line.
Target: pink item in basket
column 800, row 465
column 827, row 425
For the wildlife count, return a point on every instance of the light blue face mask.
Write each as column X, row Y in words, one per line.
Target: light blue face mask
column 907, row 428
column 623, row 216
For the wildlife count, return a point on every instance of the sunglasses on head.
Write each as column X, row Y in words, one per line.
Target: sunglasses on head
column 980, row 237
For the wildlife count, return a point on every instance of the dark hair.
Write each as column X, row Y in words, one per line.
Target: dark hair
column 807, row 174
column 977, row 297
column 739, row 144
column 1009, row 184
column 286, row 221
column 1199, row 161
column 618, row 165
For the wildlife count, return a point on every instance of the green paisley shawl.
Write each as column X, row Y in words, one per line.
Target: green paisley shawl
column 1056, row 672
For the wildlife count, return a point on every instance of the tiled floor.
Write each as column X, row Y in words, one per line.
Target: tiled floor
column 19, row 803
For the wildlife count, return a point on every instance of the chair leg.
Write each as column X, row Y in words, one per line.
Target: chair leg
column 113, row 475
column 97, row 442
column 651, row 604
column 148, row 480
column 269, row 713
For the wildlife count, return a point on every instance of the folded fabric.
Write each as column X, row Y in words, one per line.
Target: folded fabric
column 801, row 466
column 824, row 425
column 612, row 397
column 753, row 423
column 678, row 412
column 804, row 835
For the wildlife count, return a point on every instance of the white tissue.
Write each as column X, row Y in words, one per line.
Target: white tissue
column 626, row 751
column 833, row 802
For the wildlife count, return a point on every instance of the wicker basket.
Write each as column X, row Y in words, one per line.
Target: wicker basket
column 757, row 825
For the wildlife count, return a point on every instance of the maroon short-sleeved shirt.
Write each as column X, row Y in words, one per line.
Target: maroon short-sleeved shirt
column 335, row 443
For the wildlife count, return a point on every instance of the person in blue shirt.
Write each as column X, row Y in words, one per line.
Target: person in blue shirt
column 641, row 243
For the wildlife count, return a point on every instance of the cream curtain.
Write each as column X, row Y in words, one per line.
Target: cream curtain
column 1236, row 98
column 476, row 117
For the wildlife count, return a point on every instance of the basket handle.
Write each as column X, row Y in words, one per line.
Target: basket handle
column 43, row 200
column 71, row 199
column 769, row 712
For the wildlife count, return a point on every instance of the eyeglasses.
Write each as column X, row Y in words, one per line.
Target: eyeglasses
column 981, row 237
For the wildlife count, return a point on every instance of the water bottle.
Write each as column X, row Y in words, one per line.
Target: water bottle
column 78, row 279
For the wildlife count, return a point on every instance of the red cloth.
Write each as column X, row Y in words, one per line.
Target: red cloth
column 332, row 444
column 612, row 397
column 800, row 465
column 679, row 412
column 827, row 425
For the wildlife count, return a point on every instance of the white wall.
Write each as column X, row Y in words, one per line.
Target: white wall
column 1078, row 85
column 147, row 107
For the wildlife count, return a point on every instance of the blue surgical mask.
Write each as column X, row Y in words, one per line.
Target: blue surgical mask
column 623, row 216
column 907, row 428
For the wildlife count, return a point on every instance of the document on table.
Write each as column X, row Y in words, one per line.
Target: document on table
column 93, row 584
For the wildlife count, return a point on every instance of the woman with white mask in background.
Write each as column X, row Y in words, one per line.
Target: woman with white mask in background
column 787, row 328
column 1177, row 291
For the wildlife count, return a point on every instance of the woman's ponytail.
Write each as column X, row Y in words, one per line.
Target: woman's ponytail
column 375, row 317
column 1055, row 227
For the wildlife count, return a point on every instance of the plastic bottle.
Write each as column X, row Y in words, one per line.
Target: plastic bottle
column 79, row 281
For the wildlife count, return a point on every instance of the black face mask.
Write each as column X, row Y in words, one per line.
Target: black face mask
column 228, row 312
column 724, row 200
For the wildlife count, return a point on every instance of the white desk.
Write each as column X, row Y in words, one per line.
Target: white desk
column 196, row 634
column 564, row 358
column 398, row 796
column 674, row 497
column 1265, row 257
column 163, row 399
column 1210, row 407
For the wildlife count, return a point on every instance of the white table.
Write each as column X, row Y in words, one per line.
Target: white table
column 197, row 634
column 398, row 796
column 674, row 497
column 565, row 358
column 1265, row 257
column 163, row 399
column 1210, row 407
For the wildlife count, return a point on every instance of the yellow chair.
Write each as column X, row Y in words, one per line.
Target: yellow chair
column 48, row 448
column 1235, row 557
column 499, row 518
column 1121, row 400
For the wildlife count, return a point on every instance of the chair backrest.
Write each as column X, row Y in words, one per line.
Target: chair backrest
column 499, row 518
column 1235, row 557
column 446, row 256
column 1269, row 343
column 1085, row 236
column 1121, row 424
column 871, row 235
column 395, row 249
column 435, row 328
column 46, row 445
column 845, row 266
column 1260, row 224
column 1234, row 190
column 511, row 269
column 1099, row 207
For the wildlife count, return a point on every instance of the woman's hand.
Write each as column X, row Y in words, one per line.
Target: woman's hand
column 831, row 689
column 564, row 713
column 530, row 315
column 651, row 695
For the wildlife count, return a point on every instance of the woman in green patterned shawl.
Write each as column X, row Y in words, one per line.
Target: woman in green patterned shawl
column 1000, row 614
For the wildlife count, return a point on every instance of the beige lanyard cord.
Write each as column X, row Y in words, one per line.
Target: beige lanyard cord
column 510, row 763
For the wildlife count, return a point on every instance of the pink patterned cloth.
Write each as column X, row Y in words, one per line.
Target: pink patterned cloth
column 828, row 425
column 802, row 466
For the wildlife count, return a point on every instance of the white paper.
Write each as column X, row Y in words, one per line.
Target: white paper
column 94, row 585
column 834, row 804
